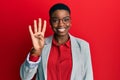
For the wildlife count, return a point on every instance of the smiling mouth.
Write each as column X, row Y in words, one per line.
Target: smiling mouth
column 61, row 29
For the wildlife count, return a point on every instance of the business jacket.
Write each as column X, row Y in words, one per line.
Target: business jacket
column 81, row 59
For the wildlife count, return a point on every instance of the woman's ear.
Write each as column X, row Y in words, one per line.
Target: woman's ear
column 70, row 23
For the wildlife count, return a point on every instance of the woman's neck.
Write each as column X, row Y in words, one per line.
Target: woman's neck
column 61, row 39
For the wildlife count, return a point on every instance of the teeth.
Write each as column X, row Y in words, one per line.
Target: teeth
column 61, row 30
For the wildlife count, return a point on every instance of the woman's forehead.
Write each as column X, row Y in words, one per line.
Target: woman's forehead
column 60, row 13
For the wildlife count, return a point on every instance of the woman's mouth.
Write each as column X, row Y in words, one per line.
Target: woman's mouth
column 61, row 29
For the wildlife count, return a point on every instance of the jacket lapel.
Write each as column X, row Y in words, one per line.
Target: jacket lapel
column 45, row 54
column 76, row 59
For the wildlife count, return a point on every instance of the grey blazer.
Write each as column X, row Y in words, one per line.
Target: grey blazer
column 81, row 68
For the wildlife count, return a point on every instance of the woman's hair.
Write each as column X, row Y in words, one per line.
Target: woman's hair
column 59, row 6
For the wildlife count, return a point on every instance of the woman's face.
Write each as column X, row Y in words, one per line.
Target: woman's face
column 60, row 22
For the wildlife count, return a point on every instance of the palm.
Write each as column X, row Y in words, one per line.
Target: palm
column 38, row 35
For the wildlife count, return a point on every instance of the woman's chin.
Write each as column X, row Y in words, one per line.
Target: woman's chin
column 62, row 33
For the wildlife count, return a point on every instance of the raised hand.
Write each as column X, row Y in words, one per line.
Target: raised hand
column 38, row 36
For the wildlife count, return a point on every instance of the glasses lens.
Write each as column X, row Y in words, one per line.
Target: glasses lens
column 55, row 20
column 66, row 19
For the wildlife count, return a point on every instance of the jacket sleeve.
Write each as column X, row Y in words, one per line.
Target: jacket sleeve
column 28, row 69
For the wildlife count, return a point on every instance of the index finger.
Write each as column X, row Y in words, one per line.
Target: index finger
column 44, row 26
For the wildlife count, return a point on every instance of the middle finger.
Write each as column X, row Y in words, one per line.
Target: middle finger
column 39, row 24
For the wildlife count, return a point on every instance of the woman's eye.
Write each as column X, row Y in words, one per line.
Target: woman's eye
column 54, row 20
column 66, row 19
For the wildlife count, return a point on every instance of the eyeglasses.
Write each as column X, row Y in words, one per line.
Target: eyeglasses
column 65, row 20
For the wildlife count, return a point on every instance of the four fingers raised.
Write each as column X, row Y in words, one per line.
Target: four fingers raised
column 38, row 27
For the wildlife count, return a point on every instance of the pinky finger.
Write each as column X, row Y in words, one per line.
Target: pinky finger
column 30, row 30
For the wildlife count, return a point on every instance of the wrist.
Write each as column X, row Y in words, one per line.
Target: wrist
column 35, row 52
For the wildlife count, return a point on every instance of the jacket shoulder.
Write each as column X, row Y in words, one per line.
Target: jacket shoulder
column 48, row 39
column 81, row 41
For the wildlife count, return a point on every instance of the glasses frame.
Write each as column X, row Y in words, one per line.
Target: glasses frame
column 58, row 20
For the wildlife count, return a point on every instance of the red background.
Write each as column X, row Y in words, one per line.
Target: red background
column 96, row 21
